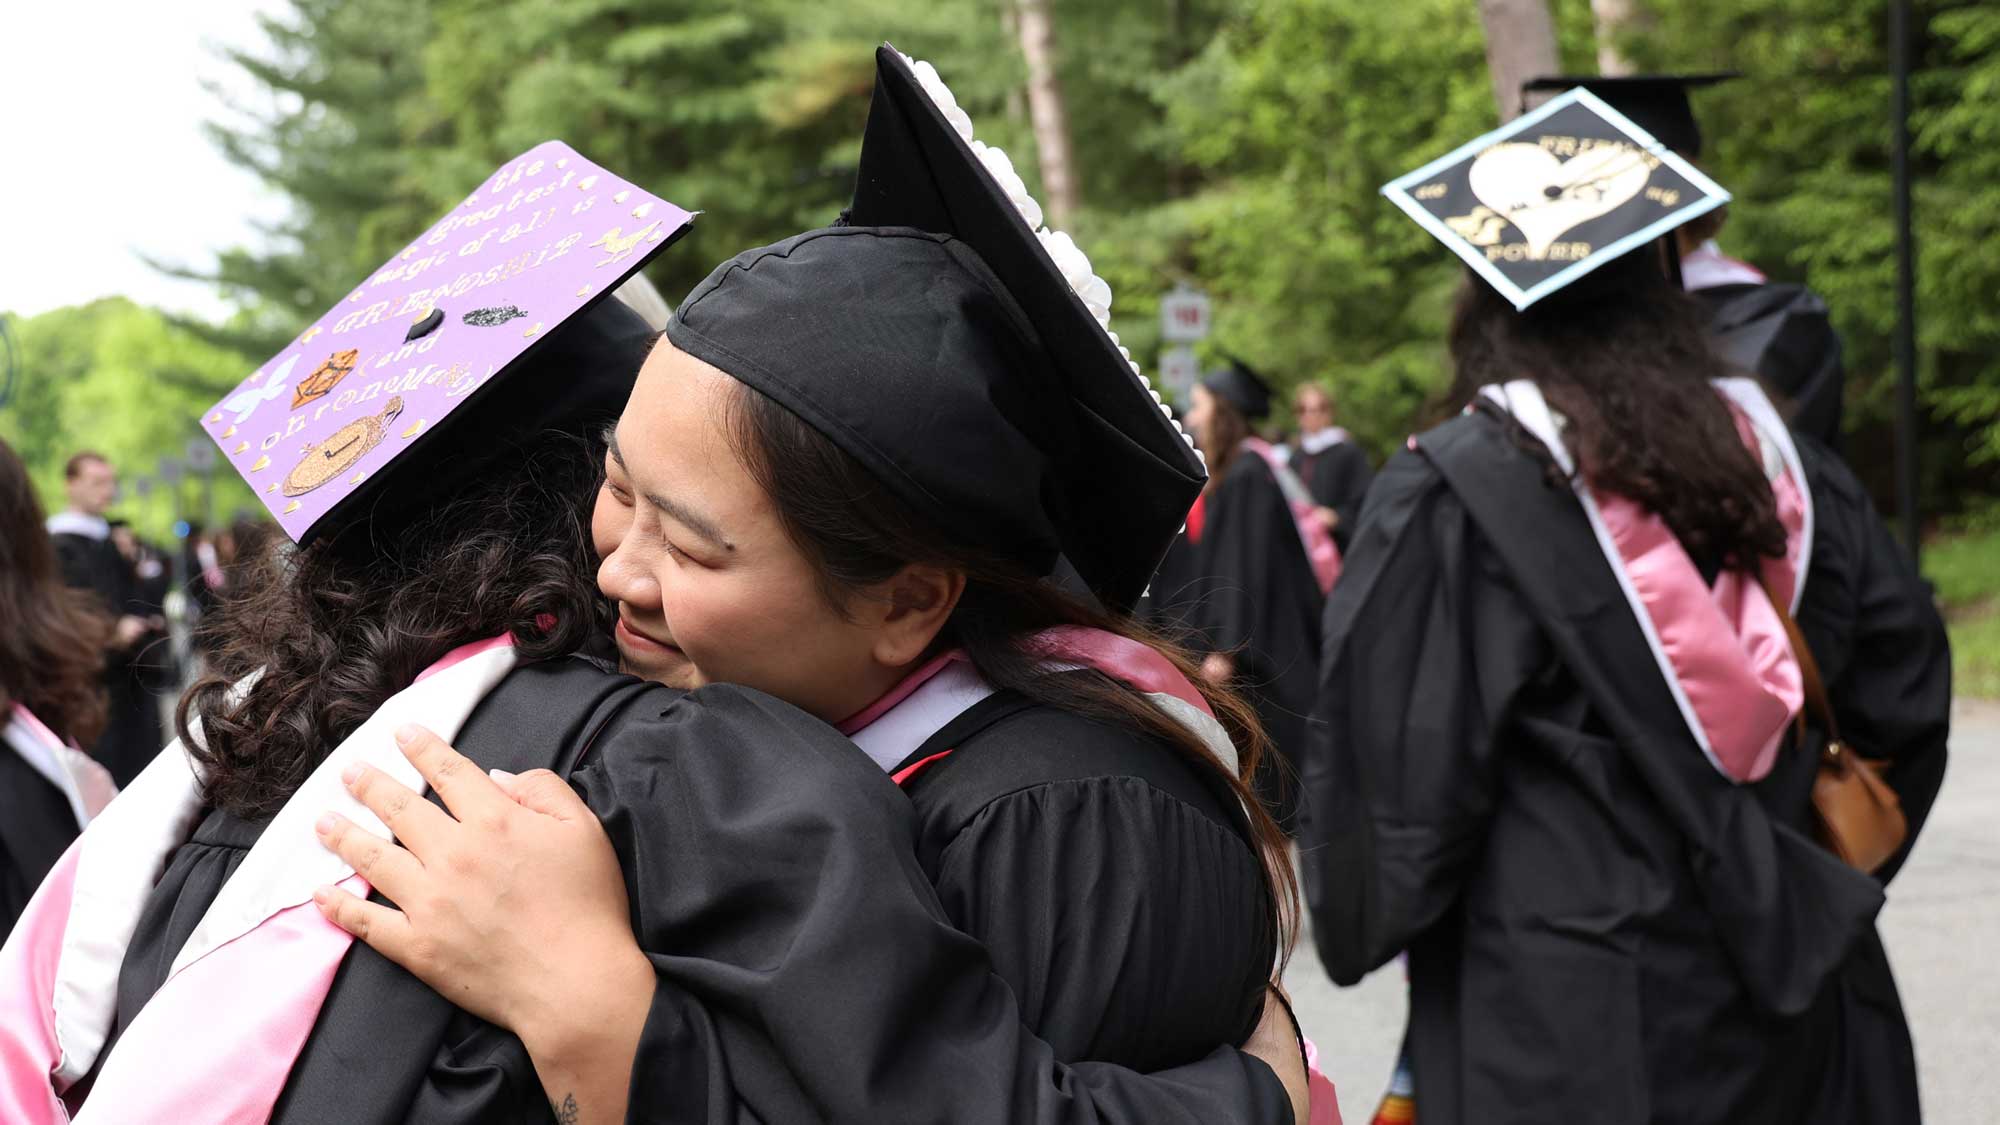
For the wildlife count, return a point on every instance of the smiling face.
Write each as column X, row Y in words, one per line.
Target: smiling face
column 710, row 588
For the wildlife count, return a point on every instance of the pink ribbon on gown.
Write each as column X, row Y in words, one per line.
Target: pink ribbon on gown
column 1721, row 647
column 254, row 997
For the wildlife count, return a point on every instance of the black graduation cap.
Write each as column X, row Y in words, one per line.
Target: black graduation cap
column 1554, row 194
column 1784, row 332
column 1241, row 387
column 1657, row 103
column 958, row 352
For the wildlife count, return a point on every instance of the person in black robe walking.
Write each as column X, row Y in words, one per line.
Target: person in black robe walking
column 1595, row 845
column 1247, row 585
column 1332, row 464
column 51, row 691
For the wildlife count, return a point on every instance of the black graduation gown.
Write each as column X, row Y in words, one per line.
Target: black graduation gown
column 812, row 974
column 1260, row 602
column 1600, row 927
column 1784, row 333
column 132, row 720
column 36, row 826
column 1337, row 477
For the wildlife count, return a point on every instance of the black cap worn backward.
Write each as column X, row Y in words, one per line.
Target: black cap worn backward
column 1657, row 103
column 938, row 341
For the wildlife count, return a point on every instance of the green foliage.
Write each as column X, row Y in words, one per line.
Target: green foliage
column 1294, row 115
column 1966, row 572
column 1804, row 143
column 119, row 379
column 1233, row 144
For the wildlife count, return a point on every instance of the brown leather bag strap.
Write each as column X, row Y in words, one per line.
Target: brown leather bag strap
column 1815, row 688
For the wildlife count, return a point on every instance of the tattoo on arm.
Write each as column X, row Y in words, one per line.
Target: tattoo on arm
column 566, row 1113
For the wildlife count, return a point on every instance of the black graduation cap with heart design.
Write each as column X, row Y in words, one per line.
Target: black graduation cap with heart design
column 1553, row 195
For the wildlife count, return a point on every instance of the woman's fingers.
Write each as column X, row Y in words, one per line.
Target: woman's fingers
column 420, row 825
column 465, row 788
column 545, row 792
column 390, row 869
column 386, row 930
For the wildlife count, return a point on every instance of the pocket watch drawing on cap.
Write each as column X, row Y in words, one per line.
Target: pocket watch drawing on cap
column 342, row 448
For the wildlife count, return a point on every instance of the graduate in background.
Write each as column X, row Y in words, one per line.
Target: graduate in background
column 1780, row 330
column 1332, row 464
column 1568, row 760
column 90, row 561
column 51, row 698
column 1246, row 582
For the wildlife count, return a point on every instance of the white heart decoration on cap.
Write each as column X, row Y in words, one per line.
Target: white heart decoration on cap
column 1545, row 197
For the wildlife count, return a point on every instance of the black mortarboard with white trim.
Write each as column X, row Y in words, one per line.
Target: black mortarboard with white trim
column 1553, row 195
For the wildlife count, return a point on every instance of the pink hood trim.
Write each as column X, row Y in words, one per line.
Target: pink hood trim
column 1722, row 649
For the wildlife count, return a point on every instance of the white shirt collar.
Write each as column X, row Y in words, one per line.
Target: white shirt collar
column 77, row 523
column 1319, row 441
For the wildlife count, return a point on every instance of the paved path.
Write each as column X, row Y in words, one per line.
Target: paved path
column 1942, row 927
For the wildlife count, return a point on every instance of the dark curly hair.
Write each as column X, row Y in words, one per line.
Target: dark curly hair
column 52, row 646
column 338, row 627
column 1624, row 355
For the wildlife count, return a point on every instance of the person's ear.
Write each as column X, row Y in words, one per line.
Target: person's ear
column 913, row 606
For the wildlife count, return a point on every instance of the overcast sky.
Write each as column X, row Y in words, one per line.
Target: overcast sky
column 101, row 108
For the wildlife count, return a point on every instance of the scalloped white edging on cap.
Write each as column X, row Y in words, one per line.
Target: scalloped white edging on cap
column 1069, row 259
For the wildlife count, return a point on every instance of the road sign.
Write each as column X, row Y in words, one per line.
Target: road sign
column 1184, row 315
column 1178, row 372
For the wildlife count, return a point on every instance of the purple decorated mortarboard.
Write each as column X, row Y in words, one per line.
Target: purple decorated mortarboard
column 470, row 303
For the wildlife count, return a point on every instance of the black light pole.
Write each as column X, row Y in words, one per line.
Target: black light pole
column 1906, row 277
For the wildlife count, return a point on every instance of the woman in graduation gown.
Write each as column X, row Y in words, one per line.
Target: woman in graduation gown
column 1244, row 580
column 1333, row 466
column 1563, row 764
column 726, row 798
column 843, row 478
column 51, row 697
column 223, row 1005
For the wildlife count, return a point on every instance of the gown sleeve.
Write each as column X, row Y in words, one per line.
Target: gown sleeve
column 1882, row 645
column 806, row 971
column 1427, row 645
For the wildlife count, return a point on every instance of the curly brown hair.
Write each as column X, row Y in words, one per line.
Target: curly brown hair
column 52, row 648
column 1624, row 355
column 338, row 627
